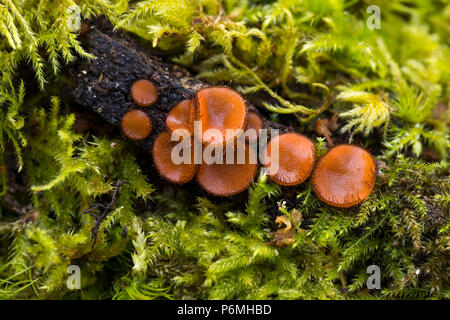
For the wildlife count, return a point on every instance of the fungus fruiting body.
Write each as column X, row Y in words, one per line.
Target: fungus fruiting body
column 162, row 158
column 222, row 179
column 144, row 93
column 136, row 125
column 344, row 176
column 321, row 128
column 255, row 124
column 181, row 117
column 220, row 108
column 294, row 161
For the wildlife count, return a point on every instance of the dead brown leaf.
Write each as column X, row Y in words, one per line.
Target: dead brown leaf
column 286, row 236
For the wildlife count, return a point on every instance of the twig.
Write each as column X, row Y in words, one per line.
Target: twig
column 105, row 210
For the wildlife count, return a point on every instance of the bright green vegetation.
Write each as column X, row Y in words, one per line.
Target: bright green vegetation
column 389, row 86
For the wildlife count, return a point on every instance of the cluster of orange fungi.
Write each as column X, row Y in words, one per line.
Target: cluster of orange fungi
column 136, row 124
column 343, row 177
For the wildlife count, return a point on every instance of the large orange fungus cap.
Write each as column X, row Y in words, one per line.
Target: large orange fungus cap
column 220, row 108
column 344, row 176
column 181, row 117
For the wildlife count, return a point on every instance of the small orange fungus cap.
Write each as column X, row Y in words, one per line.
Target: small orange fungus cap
column 253, row 122
column 229, row 179
column 296, row 157
column 162, row 158
column 220, row 108
column 136, row 125
column 181, row 117
column 344, row 176
column 144, row 93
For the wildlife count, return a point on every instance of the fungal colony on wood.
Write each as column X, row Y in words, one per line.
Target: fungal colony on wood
column 136, row 125
column 343, row 177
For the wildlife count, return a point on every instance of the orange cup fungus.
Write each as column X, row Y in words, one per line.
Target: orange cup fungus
column 255, row 124
column 296, row 157
column 220, row 108
column 144, row 93
column 229, row 179
column 181, row 117
column 162, row 158
column 344, row 176
column 136, row 125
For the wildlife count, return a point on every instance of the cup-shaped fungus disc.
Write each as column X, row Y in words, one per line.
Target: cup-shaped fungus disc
column 181, row 117
column 144, row 93
column 136, row 125
column 294, row 161
column 220, row 109
column 171, row 169
column 253, row 127
column 344, row 176
column 223, row 179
